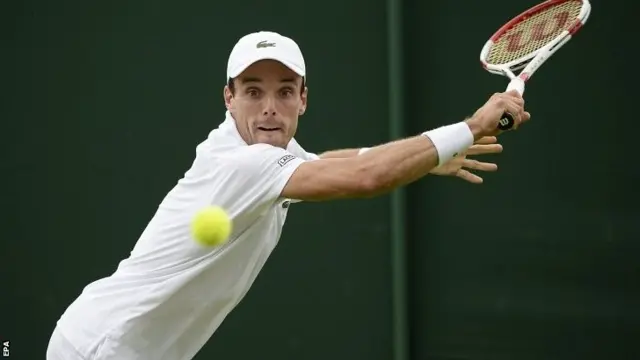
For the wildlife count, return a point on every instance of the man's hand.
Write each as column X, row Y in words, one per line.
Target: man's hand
column 458, row 166
column 485, row 120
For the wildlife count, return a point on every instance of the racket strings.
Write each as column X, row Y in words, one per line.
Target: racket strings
column 534, row 32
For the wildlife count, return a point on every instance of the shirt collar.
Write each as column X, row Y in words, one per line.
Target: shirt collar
column 230, row 128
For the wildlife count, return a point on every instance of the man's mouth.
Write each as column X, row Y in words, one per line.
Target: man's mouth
column 266, row 128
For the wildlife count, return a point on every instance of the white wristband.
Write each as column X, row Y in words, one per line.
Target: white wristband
column 363, row 150
column 450, row 140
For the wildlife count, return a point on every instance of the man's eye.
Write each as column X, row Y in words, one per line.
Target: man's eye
column 253, row 92
column 287, row 92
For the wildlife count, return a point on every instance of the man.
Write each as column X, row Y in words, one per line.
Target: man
column 168, row 298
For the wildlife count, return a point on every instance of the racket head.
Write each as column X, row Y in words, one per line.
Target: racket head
column 537, row 29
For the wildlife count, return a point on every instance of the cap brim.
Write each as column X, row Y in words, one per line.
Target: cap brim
column 237, row 71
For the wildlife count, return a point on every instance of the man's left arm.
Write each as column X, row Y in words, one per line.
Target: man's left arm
column 342, row 153
column 297, row 150
column 460, row 166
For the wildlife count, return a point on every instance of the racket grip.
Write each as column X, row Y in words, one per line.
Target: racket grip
column 516, row 84
column 507, row 121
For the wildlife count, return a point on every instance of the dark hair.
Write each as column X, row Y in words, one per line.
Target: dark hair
column 232, row 86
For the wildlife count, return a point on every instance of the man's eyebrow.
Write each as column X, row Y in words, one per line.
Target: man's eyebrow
column 245, row 80
column 250, row 79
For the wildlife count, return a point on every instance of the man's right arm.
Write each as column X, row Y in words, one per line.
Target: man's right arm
column 385, row 167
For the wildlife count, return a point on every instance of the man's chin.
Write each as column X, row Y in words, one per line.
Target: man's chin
column 274, row 139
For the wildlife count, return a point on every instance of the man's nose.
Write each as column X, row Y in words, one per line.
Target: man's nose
column 269, row 106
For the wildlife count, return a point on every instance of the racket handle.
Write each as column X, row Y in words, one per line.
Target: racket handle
column 516, row 84
column 507, row 121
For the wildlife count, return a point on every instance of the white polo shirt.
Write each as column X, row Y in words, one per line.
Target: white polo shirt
column 166, row 300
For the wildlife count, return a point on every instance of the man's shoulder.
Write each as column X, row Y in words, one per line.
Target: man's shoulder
column 247, row 158
column 245, row 152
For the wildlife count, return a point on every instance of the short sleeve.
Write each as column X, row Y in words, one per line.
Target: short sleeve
column 297, row 150
column 253, row 177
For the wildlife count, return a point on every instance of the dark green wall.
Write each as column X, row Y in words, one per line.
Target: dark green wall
column 540, row 262
column 106, row 102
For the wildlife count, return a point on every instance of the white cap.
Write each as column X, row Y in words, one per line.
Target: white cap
column 265, row 45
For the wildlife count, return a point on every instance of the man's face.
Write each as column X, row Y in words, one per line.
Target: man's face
column 266, row 102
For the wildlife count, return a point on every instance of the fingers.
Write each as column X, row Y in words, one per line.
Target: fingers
column 487, row 140
column 485, row 149
column 467, row 176
column 478, row 165
column 513, row 93
column 475, row 165
column 515, row 109
column 486, row 120
column 514, row 104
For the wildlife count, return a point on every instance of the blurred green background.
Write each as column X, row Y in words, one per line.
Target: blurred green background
column 104, row 103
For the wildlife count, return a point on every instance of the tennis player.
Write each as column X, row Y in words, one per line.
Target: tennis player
column 170, row 295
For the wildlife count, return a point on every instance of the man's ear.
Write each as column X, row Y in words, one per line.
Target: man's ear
column 304, row 97
column 228, row 98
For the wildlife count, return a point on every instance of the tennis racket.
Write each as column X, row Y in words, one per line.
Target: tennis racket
column 528, row 40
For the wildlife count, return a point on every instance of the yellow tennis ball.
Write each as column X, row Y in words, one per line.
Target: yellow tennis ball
column 211, row 226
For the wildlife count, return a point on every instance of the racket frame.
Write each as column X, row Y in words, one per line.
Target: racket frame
column 530, row 63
